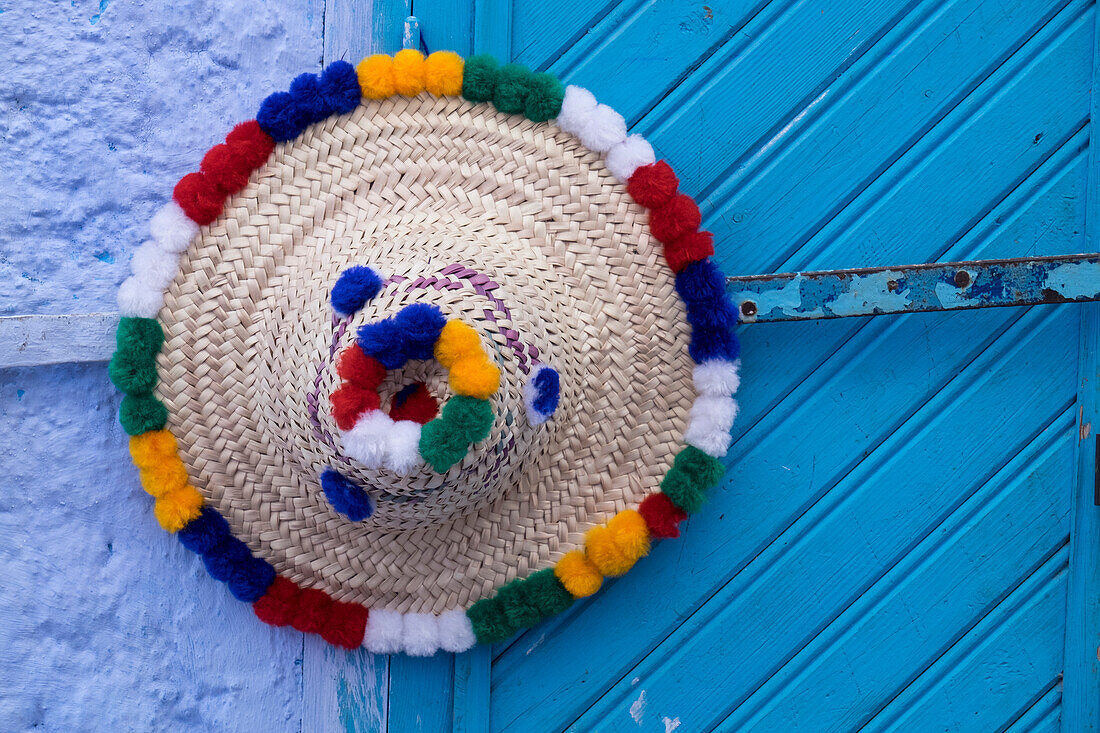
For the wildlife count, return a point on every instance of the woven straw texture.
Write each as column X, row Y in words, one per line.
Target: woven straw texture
column 512, row 227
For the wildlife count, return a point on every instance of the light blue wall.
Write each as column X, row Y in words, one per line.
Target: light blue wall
column 106, row 623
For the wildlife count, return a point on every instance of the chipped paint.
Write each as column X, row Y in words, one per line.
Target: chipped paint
column 637, row 708
column 671, row 724
column 1075, row 280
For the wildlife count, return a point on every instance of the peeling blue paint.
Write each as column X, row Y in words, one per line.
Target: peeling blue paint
column 1075, row 280
column 102, row 7
column 105, row 256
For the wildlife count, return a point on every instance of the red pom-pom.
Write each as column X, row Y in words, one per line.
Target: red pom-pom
column 692, row 247
column 678, row 218
column 313, row 610
column 358, row 368
column 228, row 170
column 279, row 604
column 251, row 143
column 661, row 515
column 349, row 401
column 199, row 198
column 347, row 623
column 653, row 185
column 419, row 407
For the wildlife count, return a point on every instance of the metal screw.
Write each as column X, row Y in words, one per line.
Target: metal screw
column 962, row 278
column 748, row 309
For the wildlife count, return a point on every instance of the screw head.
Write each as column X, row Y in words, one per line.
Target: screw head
column 748, row 308
column 962, row 278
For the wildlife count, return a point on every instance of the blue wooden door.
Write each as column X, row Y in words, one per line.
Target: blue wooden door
column 907, row 537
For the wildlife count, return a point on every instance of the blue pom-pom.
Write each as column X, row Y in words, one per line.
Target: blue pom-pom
column 223, row 560
column 713, row 343
column 420, row 324
column 311, row 103
column 715, row 314
column 340, row 87
column 204, row 532
column 547, row 390
column 345, row 497
column 280, row 117
column 385, row 342
column 701, row 282
column 250, row 580
column 355, row 286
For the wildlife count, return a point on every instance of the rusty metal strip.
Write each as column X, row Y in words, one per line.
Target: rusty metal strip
column 873, row 291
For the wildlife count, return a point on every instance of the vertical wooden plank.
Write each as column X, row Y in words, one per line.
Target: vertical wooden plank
column 420, row 693
column 1081, row 680
column 471, row 690
column 493, row 28
column 446, row 25
column 357, row 28
column 342, row 690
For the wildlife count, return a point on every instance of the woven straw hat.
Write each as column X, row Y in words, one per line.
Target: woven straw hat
column 510, row 226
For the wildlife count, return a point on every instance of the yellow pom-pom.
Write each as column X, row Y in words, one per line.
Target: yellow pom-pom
column 151, row 448
column 176, row 508
column 376, row 76
column 580, row 577
column 408, row 72
column 443, row 73
column 167, row 476
column 630, row 533
column 456, row 341
column 475, row 376
column 603, row 552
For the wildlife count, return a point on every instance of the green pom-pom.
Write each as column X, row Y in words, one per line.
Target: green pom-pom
column 546, row 593
column 140, row 413
column 490, row 622
column 479, row 78
column 440, row 447
column 511, row 92
column 469, row 417
column 133, row 372
column 139, row 335
column 679, row 486
column 544, row 96
column 705, row 470
column 519, row 609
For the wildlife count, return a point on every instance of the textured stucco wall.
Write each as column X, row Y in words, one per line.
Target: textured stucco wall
column 106, row 623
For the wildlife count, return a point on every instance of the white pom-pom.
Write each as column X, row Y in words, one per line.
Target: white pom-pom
column 456, row 633
column 719, row 377
column 172, row 229
column 138, row 299
column 421, row 634
column 577, row 106
column 709, row 424
column 368, row 441
column 403, row 452
column 604, row 129
column 154, row 266
column 629, row 155
column 385, row 632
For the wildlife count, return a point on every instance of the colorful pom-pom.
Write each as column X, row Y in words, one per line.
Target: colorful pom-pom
column 249, row 141
column 280, row 117
column 479, row 78
column 376, row 76
column 489, row 621
column 654, row 185
column 701, row 282
column 225, row 169
column 440, row 446
column 361, row 370
column 519, row 609
column 717, row 343
column 311, row 611
column 456, row 632
column 354, row 287
column 544, row 97
column 340, row 87
column 631, row 535
column 717, row 377
column 151, row 448
column 137, row 299
column 541, row 394
column 139, row 335
column 546, row 593
column 456, row 340
column 469, row 417
column 661, row 515
column 203, row 533
column 419, row 634
column 604, row 129
column 475, row 376
column 349, row 401
column 408, row 72
column 251, row 579
column 403, row 447
column 414, row 403
column 279, row 605
column 133, row 372
column 709, row 424
column 705, row 470
column 200, row 198
column 176, row 508
column 577, row 106
column 346, row 625
column 384, row 341
column 345, row 497
column 443, row 73
column 384, row 632
column 628, row 156
column 172, row 229
column 614, row 548
column 164, row 477
column 309, row 103
column 692, row 247
column 140, row 413
column 510, row 95
column 368, row 440
column 677, row 218
column 154, row 265
column 419, row 325
column 579, row 576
